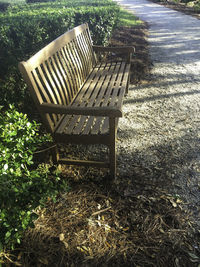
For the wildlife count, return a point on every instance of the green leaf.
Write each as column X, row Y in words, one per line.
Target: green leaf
column 5, row 167
column 8, row 234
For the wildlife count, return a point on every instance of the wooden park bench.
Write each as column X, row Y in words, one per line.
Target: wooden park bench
column 78, row 89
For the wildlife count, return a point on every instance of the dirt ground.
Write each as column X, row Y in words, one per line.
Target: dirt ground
column 137, row 37
column 182, row 7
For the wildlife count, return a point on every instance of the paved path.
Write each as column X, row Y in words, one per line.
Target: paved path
column 161, row 126
column 174, row 36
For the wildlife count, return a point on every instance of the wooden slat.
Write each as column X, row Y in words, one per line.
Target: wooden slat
column 76, row 62
column 115, row 82
column 48, row 87
column 70, row 64
column 45, row 95
column 92, row 87
column 59, row 71
column 80, row 125
column 49, row 76
column 99, row 99
column 67, row 118
column 69, row 74
column 105, row 93
column 83, row 55
column 40, row 87
column 84, row 124
column 100, row 121
column 118, row 87
column 64, row 124
column 87, row 53
column 79, row 101
column 52, row 48
column 124, row 84
column 79, row 61
column 57, row 85
column 111, row 91
column 100, row 164
column 105, row 126
column 107, row 83
column 88, row 45
column 60, row 80
column 91, row 95
column 100, row 89
column 72, row 60
column 75, row 118
column 63, row 71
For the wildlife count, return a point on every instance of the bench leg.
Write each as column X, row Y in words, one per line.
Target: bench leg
column 113, row 130
column 55, row 155
column 127, row 86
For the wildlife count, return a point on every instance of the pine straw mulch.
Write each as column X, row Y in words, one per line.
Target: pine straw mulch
column 137, row 37
column 94, row 225
column 98, row 223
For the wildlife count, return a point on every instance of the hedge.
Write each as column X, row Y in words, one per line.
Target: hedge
column 25, row 29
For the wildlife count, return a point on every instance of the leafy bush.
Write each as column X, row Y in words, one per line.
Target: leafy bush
column 101, row 22
column 25, row 29
column 22, row 188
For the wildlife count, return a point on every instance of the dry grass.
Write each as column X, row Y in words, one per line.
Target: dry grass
column 94, row 225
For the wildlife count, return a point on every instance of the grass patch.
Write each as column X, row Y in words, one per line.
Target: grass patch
column 127, row 19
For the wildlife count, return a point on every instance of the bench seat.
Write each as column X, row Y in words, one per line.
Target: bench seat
column 105, row 86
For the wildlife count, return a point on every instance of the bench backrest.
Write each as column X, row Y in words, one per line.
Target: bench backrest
column 56, row 73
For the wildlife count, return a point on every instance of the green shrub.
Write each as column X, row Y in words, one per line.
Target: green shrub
column 40, row 1
column 22, row 188
column 21, row 35
column 25, row 29
column 101, row 22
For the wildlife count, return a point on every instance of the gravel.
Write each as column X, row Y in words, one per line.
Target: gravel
column 159, row 135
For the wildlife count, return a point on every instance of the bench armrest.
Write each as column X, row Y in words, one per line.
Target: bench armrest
column 88, row 111
column 122, row 50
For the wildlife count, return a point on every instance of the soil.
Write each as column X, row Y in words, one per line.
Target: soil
column 137, row 37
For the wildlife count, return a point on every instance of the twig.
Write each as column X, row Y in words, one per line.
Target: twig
column 43, row 150
column 100, row 211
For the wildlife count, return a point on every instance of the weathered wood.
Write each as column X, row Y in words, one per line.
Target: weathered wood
column 112, row 130
column 79, row 99
column 110, row 111
column 84, row 163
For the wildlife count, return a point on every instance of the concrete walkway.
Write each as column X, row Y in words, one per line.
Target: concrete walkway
column 174, row 37
column 159, row 136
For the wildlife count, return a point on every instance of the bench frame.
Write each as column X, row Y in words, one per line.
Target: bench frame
column 58, row 74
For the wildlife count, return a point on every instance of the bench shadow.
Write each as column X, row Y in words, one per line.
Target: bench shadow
column 160, row 96
column 173, row 167
column 161, row 88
